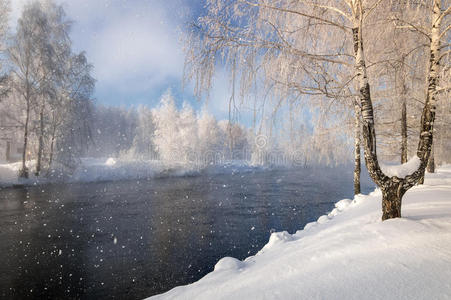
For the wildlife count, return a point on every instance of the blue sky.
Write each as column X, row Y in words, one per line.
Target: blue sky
column 135, row 48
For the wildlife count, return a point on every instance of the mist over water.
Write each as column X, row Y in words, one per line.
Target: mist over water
column 133, row 239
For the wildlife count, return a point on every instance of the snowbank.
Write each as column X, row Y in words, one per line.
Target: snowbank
column 348, row 254
column 113, row 169
column 9, row 174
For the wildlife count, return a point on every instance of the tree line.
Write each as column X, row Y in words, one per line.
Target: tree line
column 180, row 135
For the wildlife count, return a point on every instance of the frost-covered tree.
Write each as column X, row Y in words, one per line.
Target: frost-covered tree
column 54, row 57
column 264, row 42
column 27, row 52
column 51, row 86
column 307, row 45
column 183, row 136
column 166, row 122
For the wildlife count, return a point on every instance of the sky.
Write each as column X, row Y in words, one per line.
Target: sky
column 136, row 49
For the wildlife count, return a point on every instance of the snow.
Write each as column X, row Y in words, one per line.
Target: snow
column 403, row 170
column 9, row 174
column 114, row 169
column 348, row 254
column 110, row 161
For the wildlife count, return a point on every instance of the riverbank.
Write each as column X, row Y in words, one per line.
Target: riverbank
column 348, row 254
column 126, row 169
column 113, row 169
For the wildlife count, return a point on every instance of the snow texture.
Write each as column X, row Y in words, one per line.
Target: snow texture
column 348, row 254
column 403, row 170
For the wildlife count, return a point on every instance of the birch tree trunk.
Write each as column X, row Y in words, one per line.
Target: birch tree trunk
column 428, row 115
column 52, row 141
column 403, row 123
column 24, row 170
column 40, row 142
column 357, row 164
column 391, row 192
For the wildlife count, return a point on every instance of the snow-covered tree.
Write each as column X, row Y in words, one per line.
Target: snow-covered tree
column 305, row 46
column 51, row 86
column 27, row 53
column 166, row 138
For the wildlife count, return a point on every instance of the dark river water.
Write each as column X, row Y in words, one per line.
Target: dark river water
column 133, row 239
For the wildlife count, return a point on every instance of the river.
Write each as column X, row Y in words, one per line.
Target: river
column 133, row 239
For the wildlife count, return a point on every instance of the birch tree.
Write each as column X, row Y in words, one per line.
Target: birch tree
column 309, row 43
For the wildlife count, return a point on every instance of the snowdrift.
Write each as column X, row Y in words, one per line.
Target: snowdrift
column 348, row 254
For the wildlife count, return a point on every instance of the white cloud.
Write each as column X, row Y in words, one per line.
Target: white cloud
column 133, row 45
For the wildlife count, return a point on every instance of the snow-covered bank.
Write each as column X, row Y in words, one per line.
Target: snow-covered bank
column 9, row 174
column 348, row 254
column 112, row 169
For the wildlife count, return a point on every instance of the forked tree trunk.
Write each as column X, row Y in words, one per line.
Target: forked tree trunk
column 394, row 188
column 391, row 198
column 392, row 194
column 357, row 164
